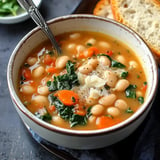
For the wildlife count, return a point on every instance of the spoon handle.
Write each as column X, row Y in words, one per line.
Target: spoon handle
column 34, row 13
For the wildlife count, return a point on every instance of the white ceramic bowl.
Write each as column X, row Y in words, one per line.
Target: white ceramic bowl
column 73, row 138
column 21, row 15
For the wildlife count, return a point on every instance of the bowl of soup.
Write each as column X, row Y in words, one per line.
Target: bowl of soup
column 96, row 93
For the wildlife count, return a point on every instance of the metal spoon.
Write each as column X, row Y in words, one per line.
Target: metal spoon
column 34, row 13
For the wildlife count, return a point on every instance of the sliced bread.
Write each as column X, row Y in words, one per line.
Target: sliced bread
column 103, row 9
column 143, row 16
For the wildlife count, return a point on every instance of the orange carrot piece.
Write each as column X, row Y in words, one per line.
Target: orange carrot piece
column 68, row 97
column 109, row 53
column 104, row 122
column 26, row 73
column 88, row 53
column 80, row 112
column 51, row 108
column 52, row 70
column 144, row 88
column 92, row 51
column 49, row 59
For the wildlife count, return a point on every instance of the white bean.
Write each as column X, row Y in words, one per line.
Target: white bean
column 104, row 61
column 111, row 78
column 43, row 90
column 92, row 119
column 27, row 89
column 121, row 59
column 71, row 47
column 40, row 100
column 139, row 93
column 121, row 104
column 80, row 48
column 107, row 100
column 85, row 69
column 97, row 110
column 31, row 60
column 61, row 61
column 113, row 111
column 93, row 62
column 133, row 64
column 91, row 101
column 91, row 41
column 57, row 120
column 121, row 85
column 38, row 72
column 104, row 45
column 75, row 36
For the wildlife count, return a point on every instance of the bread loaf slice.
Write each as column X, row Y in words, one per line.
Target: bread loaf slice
column 143, row 16
column 103, row 9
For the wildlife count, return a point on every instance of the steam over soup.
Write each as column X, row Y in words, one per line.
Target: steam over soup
column 96, row 83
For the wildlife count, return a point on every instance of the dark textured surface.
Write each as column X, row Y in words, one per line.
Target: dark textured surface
column 15, row 141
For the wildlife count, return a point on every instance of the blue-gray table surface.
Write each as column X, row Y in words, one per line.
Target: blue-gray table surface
column 15, row 141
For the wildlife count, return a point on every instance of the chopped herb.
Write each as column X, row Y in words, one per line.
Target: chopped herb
column 46, row 117
column 114, row 63
column 22, row 79
column 26, row 65
column 131, row 91
column 138, row 76
column 66, row 81
column 145, row 83
column 106, row 87
column 26, row 103
column 124, row 75
column 129, row 110
column 51, row 53
column 73, row 99
column 108, row 115
column 141, row 100
column 89, row 44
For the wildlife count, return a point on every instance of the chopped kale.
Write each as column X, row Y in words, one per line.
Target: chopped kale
column 67, row 112
column 141, row 100
column 131, row 91
column 124, row 75
column 46, row 117
column 129, row 110
column 106, row 87
column 66, row 81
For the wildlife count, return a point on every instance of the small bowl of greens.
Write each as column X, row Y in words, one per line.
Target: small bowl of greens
column 12, row 12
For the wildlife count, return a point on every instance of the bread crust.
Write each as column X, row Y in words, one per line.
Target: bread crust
column 103, row 9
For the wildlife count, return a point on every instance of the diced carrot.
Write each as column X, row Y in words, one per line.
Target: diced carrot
column 104, row 122
column 144, row 88
column 92, row 51
column 68, row 97
column 109, row 53
column 51, row 108
column 48, row 59
column 26, row 73
column 88, row 53
column 52, row 70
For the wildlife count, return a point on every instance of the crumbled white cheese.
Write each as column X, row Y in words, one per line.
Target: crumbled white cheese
column 94, row 81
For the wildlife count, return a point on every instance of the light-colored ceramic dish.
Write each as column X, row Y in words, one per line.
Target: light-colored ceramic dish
column 83, row 139
column 21, row 15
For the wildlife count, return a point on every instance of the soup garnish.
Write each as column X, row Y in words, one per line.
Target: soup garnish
column 96, row 83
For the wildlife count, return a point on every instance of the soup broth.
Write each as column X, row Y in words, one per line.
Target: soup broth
column 96, row 83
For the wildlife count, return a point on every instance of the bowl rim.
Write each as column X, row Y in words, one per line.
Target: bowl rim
column 137, row 115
